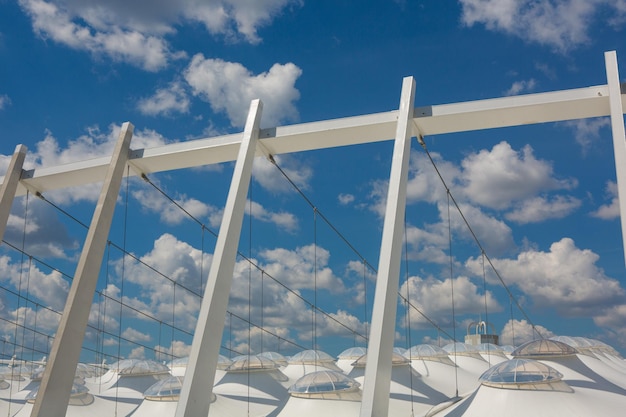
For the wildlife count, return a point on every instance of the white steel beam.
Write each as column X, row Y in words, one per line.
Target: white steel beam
column 56, row 385
column 430, row 120
column 619, row 135
column 9, row 186
column 195, row 395
column 377, row 379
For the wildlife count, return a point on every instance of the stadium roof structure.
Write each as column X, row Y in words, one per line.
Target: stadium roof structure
column 55, row 391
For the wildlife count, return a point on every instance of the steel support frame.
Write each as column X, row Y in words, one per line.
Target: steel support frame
column 56, row 385
column 195, row 396
column 377, row 379
column 619, row 135
column 9, row 186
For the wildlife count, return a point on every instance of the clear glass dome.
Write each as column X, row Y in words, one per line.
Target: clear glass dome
column 353, row 353
column 246, row 363
column 167, row 389
column 399, row 350
column 520, row 374
column 275, row 356
column 311, row 357
column 543, row 348
column 323, row 382
column 428, row 353
column 396, row 360
column 78, row 396
column 508, row 349
column 462, row 349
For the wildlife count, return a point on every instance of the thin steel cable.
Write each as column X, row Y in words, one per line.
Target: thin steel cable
column 456, row 373
column 519, row 306
column 408, row 312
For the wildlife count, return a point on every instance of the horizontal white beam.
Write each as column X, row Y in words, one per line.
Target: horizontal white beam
column 430, row 120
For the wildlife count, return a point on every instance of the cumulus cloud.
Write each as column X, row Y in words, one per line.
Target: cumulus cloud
column 434, row 299
column 499, row 177
column 538, row 209
column 345, row 199
column 5, row 101
column 517, row 332
column 54, row 21
column 609, row 211
column 135, row 31
column 521, row 86
column 284, row 220
column 565, row 279
column 306, row 267
column 165, row 101
column 229, row 87
column 587, row 131
column 153, row 202
column 271, row 179
column 560, row 24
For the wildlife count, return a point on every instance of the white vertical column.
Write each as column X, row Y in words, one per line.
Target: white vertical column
column 56, row 385
column 195, row 395
column 380, row 348
column 9, row 186
column 619, row 137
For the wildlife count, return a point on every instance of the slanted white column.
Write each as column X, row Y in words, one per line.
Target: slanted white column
column 195, row 395
column 619, row 137
column 9, row 186
column 56, row 385
column 377, row 379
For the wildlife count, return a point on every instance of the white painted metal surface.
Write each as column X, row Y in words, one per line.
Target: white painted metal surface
column 9, row 186
column 198, row 385
column 429, row 120
column 377, row 380
column 56, row 385
column 619, row 136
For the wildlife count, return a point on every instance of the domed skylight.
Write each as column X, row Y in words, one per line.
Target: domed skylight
column 462, row 349
column 544, row 348
column 396, row 360
column 353, row 353
column 246, row 363
column 428, row 353
column 520, row 374
column 135, row 367
column 323, row 382
column 311, row 357
column 275, row 356
column 78, row 396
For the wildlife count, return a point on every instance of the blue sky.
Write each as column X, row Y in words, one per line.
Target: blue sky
column 540, row 198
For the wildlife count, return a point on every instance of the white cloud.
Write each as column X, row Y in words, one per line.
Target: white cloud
column 517, row 332
column 521, row 86
column 135, row 335
column 5, row 101
column 299, row 269
column 434, row 299
column 560, row 24
column 283, row 220
column 53, row 21
column 230, row 87
column 153, row 202
column 566, row 279
column 345, row 199
column 609, row 211
column 538, row 209
column 587, row 131
column 134, row 32
column 271, row 179
column 165, row 101
column 499, row 177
